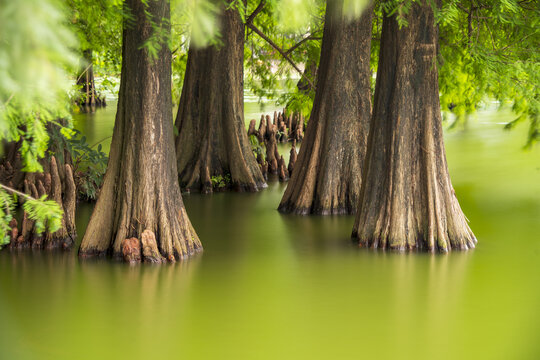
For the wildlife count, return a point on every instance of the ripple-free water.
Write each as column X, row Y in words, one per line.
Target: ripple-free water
column 271, row 286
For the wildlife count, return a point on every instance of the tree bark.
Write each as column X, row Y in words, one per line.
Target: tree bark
column 327, row 174
column 140, row 190
column 212, row 139
column 407, row 200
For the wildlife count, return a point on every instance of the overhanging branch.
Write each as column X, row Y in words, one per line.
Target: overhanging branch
column 295, row 46
column 257, row 10
column 281, row 52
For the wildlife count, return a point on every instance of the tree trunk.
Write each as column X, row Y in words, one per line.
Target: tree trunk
column 310, row 71
column 140, row 190
column 212, row 139
column 89, row 99
column 327, row 174
column 407, row 200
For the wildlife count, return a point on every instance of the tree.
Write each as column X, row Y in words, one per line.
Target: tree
column 282, row 36
column 212, row 139
column 97, row 24
column 140, row 197
column 35, row 48
column 489, row 50
column 407, row 200
column 328, row 171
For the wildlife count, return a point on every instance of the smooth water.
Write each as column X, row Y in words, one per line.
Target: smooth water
column 270, row 286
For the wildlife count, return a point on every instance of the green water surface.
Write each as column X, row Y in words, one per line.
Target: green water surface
column 270, row 286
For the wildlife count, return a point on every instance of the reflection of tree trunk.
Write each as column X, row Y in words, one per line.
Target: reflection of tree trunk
column 88, row 98
column 327, row 174
column 140, row 190
column 407, row 200
column 212, row 139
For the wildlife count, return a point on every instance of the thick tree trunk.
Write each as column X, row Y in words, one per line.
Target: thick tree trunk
column 327, row 174
column 140, row 190
column 407, row 200
column 212, row 139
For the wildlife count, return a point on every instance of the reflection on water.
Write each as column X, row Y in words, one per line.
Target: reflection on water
column 271, row 286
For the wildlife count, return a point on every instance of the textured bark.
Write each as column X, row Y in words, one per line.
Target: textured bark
column 56, row 239
column 63, row 192
column 70, row 202
column 295, row 123
column 212, row 139
column 292, row 158
column 407, row 200
column 327, row 174
column 262, row 129
column 131, row 250
column 140, row 189
column 252, row 130
column 270, row 143
column 59, row 186
column 283, row 171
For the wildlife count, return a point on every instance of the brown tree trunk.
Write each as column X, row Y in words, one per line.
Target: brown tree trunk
column 407, row 200
column 89, row 99
column 212, row 138
column 327, row 174
column 310, row 72
column 140, row 190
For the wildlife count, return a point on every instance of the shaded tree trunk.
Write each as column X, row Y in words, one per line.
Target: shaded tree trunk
column 140, row 192
column 327, row 174
column 212, row 139
column 310, row 71
column 89, row 99
column 407, row 200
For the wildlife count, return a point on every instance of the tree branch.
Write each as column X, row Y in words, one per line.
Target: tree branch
column 13, row 191
column 84, row 72
column 295, row 46
column 257, row 10
column 283, row 54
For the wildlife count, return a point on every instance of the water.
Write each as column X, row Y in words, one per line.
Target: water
column 270, row 286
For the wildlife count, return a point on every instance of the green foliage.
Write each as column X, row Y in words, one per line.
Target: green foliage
column 199, row 17
column 7, row 207
column 293, row 15
column 220, row 182
column 35, row 54
column 89, row 161
column 46, row 214
column 35, row 50
column 98, row 25
column 489, row 50
column 268, row 74
column 89, row 165
column 397, row 8
column 298, row 101
column 256, row 146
